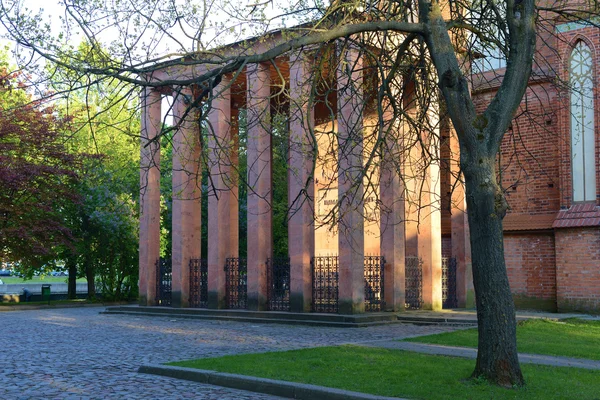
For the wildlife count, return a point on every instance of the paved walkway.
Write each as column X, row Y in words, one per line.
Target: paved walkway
column 472, row 353
column 75, row 353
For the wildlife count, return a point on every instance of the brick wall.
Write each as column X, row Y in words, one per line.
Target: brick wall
column 529, row 158
column 530, row 261
column 578, row 269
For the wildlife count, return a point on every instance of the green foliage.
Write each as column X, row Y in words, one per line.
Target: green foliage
column 403, row 374
column 105, row 126
column 36, row 174
column 166, row 195
column 280, row 145
column 569, row 338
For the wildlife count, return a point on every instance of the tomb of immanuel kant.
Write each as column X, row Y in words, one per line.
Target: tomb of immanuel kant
column 365, row 231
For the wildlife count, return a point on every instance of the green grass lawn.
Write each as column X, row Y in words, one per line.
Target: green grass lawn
column 37, row 279
column 570, row 338
column 401, row 374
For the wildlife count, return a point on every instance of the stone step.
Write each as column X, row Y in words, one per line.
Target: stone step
column 282, row 317
column 277, row 315
column 257, row 320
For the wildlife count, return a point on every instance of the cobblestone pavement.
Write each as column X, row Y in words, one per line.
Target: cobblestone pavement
column 76, row 353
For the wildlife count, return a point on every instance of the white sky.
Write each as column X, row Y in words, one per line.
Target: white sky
column 221, row 26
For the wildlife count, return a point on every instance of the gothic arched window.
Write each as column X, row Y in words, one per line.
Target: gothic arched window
column 582, row 123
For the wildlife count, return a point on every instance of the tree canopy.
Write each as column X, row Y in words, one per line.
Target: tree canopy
column 37, row 174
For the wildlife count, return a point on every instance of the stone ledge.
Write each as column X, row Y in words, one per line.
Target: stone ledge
column 273, row 387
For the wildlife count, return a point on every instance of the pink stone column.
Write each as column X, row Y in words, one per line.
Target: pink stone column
column 149, row 195
column 411, row 171
column 187, row 187
column 461, row 243
column 391, row 190
column 301, row 229
column 351, row 237
column 222, row 196
column 430, row 228
column 260, row 237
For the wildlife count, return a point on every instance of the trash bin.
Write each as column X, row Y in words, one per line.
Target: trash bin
column 46, row 292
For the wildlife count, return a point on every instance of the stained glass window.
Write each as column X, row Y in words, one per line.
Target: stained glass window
column 582, row 123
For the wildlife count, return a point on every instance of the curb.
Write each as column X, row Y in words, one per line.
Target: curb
column 467, row 352
column 273, row 387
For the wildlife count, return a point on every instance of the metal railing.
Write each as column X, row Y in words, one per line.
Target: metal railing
column 164, row 278
column 198, row 283
column 413, row 283
column 325, row 284
column 236, row 283
column 374, row 283
column 449, row 298
column 278, row 283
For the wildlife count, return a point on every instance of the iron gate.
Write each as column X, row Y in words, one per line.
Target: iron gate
column 278, row 283
column 449, row 299
column 325, row 282
column 198, row 283
column 413, row 282
column 236, row 283
column 163, row 281
column 374, row 281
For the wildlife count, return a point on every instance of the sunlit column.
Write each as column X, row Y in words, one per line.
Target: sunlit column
column 391, row 190
column 351, row 237
column 461, row 244
column 149, row 195
column 301, row 229
column 222, row 190
column 430, row 221
column 187, row 188
column 260, row 230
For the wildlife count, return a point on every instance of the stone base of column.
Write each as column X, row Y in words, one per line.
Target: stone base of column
column 257, row 302
column 216, row 301
column 178, row 300
column 394, row 291
column 299, row 303
column 143, row 301
column 348, row 306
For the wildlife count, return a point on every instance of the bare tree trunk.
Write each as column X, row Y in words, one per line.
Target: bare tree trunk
column 497, row 358
column 90, row 276
column 91, row 284
column 72, row 268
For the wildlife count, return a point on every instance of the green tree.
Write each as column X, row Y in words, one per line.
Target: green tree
column 36, row 175
column 105, row 126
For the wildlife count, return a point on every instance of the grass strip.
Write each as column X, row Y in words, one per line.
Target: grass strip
column 45, row 303
column 401, row 374
column 571, row 337
column 11, row 280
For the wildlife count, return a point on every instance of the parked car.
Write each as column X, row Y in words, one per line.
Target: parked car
column 4, row 272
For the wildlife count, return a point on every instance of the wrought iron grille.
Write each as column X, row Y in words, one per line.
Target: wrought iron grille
column 413, row 282
column 449, row 299
column 198, row 283
column 163, row 281
column 374, row 267
column 236, row 283
column 325, row 282
column 278, row 283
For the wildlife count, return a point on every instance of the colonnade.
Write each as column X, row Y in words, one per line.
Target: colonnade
column 223, row 196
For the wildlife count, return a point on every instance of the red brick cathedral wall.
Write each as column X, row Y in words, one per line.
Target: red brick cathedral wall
column 578, row 269
column 530, row 262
